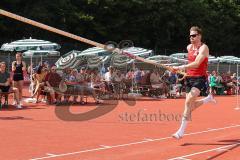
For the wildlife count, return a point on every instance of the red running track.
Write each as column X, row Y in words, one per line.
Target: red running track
column 36, row 133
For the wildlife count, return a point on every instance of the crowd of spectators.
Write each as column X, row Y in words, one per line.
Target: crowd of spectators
column 115, row 83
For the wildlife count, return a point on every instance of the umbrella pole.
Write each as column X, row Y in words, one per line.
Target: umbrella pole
column 31, row 74
column 9, row 61
column 237, row 107
column 41, row 60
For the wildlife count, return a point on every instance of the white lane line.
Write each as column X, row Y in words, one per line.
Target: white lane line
column 148, row 139
column 133, row 143
column 205, row 151
column 104, row 146
column 222, row 150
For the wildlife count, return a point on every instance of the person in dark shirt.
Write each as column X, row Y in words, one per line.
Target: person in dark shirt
column 18, row 67
column 5, row 83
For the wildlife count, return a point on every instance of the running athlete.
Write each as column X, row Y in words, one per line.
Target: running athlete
column 18, row 67
column 197, row 66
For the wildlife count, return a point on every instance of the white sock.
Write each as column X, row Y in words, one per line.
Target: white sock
column 209, row 98
column 183, row 126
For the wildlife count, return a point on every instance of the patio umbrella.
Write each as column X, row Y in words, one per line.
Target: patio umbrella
column 95, row 61
column 44, row 53
column 179, row 55
column 160, row 59
column 95, row 51
column 118, row 60
column 137, row 51
column 30, row 44
column 122, row 60
column 69, row 60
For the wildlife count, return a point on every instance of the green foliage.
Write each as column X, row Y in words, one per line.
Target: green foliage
column 155, row 24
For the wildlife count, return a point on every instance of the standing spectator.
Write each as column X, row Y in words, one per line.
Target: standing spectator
column 18, row 67
column 213, row 82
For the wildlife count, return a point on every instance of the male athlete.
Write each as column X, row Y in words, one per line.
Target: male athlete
column 197, row 66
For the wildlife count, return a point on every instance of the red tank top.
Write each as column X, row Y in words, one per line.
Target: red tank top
column 202, row 69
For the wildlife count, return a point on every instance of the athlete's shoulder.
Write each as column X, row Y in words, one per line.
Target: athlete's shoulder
column 204, row 46
column 204, row 49
column 189, row 47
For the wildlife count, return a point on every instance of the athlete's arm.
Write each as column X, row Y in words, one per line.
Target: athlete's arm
column 203, row 53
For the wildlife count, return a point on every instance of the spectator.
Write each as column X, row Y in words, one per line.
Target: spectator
column 5, row 83
column 108, row 78
column 39, row 78
column 48, row 86
column 18, row 67
column 213, row 82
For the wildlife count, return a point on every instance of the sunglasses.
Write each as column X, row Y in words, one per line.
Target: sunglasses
column 193, row 35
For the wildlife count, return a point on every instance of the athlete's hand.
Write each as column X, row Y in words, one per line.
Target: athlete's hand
column 176, row 68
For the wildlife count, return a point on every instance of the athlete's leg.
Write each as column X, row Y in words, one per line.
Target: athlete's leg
column 202, row 101
column 189, row 103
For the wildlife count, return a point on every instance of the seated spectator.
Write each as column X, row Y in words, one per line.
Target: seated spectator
column 118, row 83
column 48, row 86
column 39, row 78
column 73, row 78
column 67, row 73
column 96, row 81
column 138, row 76
column 108, row 78
column 156, row 83
column 130, row 75
column 5, row 83
column 82, row 76
column 219, row 85
column 227, row 83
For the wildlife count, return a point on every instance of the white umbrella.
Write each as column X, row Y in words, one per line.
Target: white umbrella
column 179, row 55
column 94, row 51
column 30, row 44
column 40, row 53
column 228, row 59
column 141, row 52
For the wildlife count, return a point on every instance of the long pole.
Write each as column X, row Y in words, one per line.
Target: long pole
column 81, row 39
